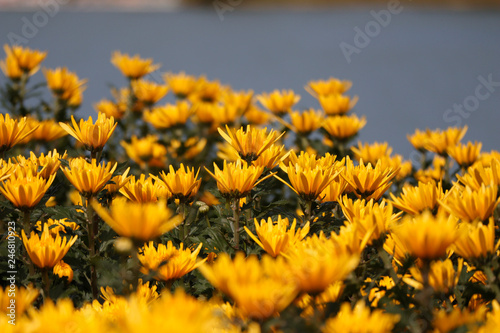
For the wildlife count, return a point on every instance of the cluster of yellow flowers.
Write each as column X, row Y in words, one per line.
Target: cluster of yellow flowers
column 201, row 234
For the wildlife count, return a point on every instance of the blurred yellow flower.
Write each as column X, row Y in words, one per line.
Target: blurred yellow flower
column 117, row 182
column 366, row 181
column 169, row 115
column 465, row 155
column 23, row 296
column 469, row 205
column 307, row 263
column 332, row 86
column 426, row 236
column 48, row 130
column 360, row 320
column 25, row 191
column 183, row 183
column 250, row 143
column 476, row 240
column 415, row 199
column 336, row 105
column 279, row 102
column 435, row 173
column 260, row 288
column 182, row 85
column 375, row 221
column 145, row 190
column 187, row 149
column 478, row 174
column 146, row 151
column 12, row 131
column 305, row 122
column 256, row 116
column 10, row 68
column 276, row 237
column 133, row 67
column 439, row 141
column 241, row 100
column 148, row 92
column 45, row 251
column 26, row 59
column 419, row 139
column 342, row 128
column 92, row 136
column 237, row 179
column 371, row 153
column 110, row 109
column 207, row 92
column 89, row 178
column 64, row 84
column 142, row 221
column 445, row 321
column 442, row 276
column 168, row 263
column 62, row 270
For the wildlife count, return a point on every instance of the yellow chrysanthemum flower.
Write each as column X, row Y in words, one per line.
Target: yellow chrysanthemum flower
column 308, row 183
column 117, row 182
column 62, row 270
column 241, row 100
column 89, row 178
column 371, row 153
column 332, row 86
column 434, row 173
column 426, row 236
column 366, row 181
column 337, row 105
column 13, row 131
column 145, row 190
column 271, row 157
column 307, row 160
column 26, row 59
column 133, row 67
column 276, row 237
column 478, row 174
column 169, row 115
column 148, row 92
column 396, row 163
column 469, row 205
column 183, row 183
column 442, row 276
column 465, row 155
column 360, row 320
column 25, row 191
column 64, row 84
column 342, row 128
column 307, row 263
column 256, row 116
column 23, row 296
column 306, row 122
column 445, row 321
column 415, row 199
column 10, row 68
column 250, row 143
column 476, row 240
column 47, row 130
column 492, row 319
column 207, row 92
column 419, row 139
column 360, row 208
column 45, row 251
column 182, row 85
column 334, row 191
column 43, row 165
column 311, row 304
column 237, row 179
column 187, row 149
column 138, row 220
column 146, row 151
column 57, row 226
column 110, row 109
column 259, row 288
column 279, row 102
column 439, row 141
column 169, row 263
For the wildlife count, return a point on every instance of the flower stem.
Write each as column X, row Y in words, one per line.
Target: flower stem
column 92, row 249
column 308, row 212
column 46, row 283
column 236, row 223
column 27, row 229
column 424, row 297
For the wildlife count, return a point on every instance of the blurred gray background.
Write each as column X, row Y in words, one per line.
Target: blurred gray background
column 413, row 66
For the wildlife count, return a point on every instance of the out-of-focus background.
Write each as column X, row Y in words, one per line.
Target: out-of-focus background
column 414, row 64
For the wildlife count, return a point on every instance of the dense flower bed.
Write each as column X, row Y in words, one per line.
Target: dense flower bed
column 186, row 206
